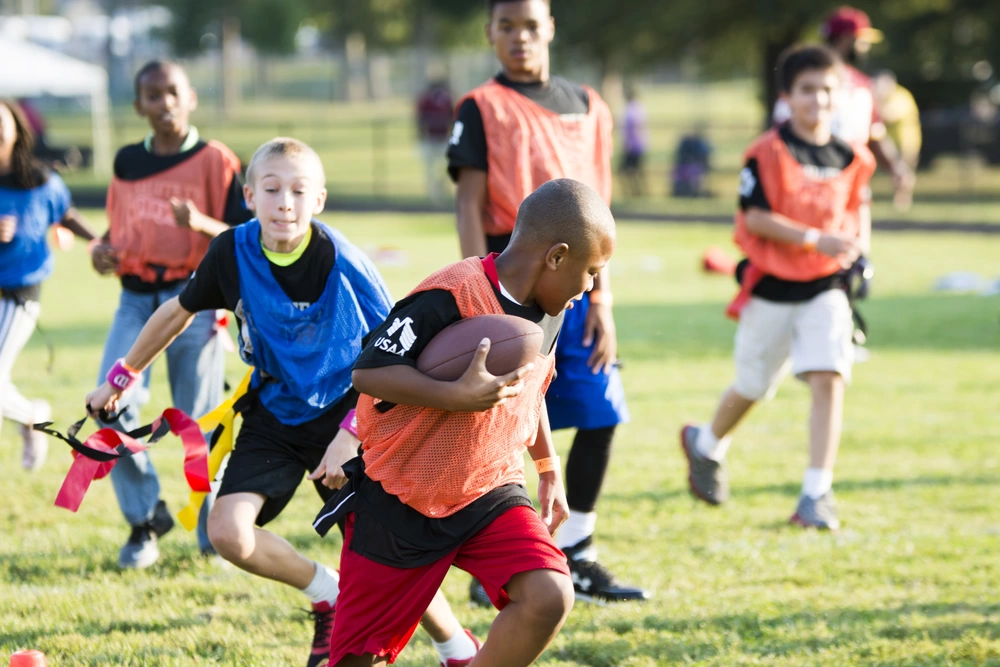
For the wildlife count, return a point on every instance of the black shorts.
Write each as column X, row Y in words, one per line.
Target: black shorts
column 270, row 458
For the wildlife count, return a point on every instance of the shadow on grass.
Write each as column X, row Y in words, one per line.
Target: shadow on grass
column 762, row 636
column 792, row 489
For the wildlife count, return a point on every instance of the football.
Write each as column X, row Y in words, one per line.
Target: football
column 514, row 342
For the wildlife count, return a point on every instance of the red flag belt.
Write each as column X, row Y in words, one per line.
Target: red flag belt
column 97, row 455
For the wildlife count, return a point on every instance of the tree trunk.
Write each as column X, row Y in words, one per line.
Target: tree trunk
column 775, row 42
column 230, row 65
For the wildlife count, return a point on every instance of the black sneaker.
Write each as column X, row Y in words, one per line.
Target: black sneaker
column 323, row 614
column 477, row 594
column 162, row 522
column 593, row 582
column 141, row 550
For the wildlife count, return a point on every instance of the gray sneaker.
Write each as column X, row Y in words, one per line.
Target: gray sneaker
column 141, row 550
column 819, row 513
column 707, row 479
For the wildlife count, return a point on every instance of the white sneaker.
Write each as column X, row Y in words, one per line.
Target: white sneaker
column 36, row 443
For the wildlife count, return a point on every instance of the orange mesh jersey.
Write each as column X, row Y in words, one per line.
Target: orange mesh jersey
column 143, row 230
column 438, row 462
column 528, row 145
column 829, row 205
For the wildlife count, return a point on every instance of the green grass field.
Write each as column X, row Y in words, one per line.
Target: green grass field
column 912, row 579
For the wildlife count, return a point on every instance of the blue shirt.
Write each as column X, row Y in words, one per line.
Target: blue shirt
column 27, row 260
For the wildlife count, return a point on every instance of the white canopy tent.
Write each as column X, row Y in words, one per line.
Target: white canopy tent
column 30, row 70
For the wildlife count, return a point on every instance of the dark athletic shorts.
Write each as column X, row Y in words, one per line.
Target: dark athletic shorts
column 271, row 458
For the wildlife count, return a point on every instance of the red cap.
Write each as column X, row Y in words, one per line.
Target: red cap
column 849, row 21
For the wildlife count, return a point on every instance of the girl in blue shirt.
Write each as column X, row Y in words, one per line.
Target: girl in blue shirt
column 31, row 200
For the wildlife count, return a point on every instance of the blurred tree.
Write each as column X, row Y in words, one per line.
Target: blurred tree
column 271, row 25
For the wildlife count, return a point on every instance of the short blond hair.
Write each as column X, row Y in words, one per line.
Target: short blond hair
column 286, row 147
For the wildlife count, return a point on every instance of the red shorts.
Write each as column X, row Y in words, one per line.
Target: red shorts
column 379, row 607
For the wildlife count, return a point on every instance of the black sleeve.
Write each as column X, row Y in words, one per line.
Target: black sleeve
column 751, row 191
column 411, row 324
column 236, row 212
column 204, row 291
column 467, row 146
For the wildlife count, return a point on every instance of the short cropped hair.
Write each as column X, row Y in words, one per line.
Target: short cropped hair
column 284, row 147
column 493, row 3
column 801, row 58
column 563, row 211
column 158, row 65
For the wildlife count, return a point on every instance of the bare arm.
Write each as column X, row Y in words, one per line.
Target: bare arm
column 544, row 447
column 470, row 202
column 903, row 179
column 599, row 327
column 75, row 223
column 551, row 491
column 476, row 391
column 168, row 322
column 405, row 385
column 777, row 227
column 187, row 215
column 774, row 226
column 210, row 227
column 163, row 327
column 602, row 283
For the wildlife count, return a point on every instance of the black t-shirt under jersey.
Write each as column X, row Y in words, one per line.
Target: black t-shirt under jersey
column 467, row 147
column 135, row 162
column 819, row 162
column 216, row 285
column 415, row 320
column 386, row 530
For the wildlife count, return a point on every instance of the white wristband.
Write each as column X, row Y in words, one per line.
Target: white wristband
column 811, row 238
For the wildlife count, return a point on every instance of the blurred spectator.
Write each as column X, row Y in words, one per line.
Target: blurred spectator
column 849, row 32
column 435, row 112
column 636, row 144
column 691, row 165
column 900, row 115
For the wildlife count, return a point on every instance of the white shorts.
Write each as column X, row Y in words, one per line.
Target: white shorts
column 814, row 335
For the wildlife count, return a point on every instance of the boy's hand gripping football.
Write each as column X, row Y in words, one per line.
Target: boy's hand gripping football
column 478, row 390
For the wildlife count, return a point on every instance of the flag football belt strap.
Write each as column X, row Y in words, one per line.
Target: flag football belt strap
column 94, row 457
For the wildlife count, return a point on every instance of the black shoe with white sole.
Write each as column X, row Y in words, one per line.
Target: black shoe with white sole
column 594, row 583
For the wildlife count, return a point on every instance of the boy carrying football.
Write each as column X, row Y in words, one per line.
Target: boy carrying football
column 441, row 480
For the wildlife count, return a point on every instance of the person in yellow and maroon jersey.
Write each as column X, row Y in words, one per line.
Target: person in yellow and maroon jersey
column 511, row 135
column 803, row 219
column 171, row 194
